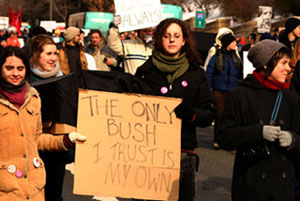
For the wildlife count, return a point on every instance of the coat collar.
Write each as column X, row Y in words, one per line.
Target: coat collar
column 30, row 92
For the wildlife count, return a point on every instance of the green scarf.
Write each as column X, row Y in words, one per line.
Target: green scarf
column 174, row 67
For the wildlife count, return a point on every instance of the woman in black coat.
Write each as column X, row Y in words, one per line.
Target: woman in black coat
column 261, row 121
column 173, row 71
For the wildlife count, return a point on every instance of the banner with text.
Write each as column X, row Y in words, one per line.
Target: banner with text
column 133, row 146
column 138, row 14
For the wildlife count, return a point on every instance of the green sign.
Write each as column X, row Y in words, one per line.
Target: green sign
column 200, row 19
column 98, row 20
column 171, row 11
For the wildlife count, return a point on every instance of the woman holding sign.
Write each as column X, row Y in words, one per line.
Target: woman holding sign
column 22, row 173
column 173, row 71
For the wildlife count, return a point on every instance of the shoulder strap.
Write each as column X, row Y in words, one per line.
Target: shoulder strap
column 276, row 107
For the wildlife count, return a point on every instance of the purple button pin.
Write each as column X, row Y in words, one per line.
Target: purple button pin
column 184, row 83
column 164, row 90
column 19, row 173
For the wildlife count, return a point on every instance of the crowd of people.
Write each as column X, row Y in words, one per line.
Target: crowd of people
column 256, row 116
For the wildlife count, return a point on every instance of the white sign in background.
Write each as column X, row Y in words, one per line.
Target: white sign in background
column 138, row 14
column 248, row 67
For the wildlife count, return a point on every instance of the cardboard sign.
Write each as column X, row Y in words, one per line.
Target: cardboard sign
column 138, row 14
column 133, row 146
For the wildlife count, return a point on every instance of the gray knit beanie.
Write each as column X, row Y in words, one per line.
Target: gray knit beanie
column 261, row 53
column 70, row 33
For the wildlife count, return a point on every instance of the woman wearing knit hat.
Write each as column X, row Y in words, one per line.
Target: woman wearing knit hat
column 261, row 122
column 224, row 71
column 291, row 32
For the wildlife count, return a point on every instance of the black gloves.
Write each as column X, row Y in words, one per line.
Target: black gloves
column 185, row 111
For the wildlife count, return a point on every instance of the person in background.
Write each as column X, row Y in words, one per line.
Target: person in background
column 44, row 65
column 224, row 72
column 3, row 43
column 81, row 37
column 101, row 53
column 291, row 33
column 22, row 170
column 294, row 75
column 2, row 35
column 296, row 55
column 33, row 32
column 251, row 42
column 43, row 61
column 72, row 56
column 173, row 71
column 265, row 36
column 133, row 52
column 261, row 122
column 13, row 40
column 277, row 31
column 212, row 51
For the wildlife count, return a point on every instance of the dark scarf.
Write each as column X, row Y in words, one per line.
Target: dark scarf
column 223, row 56
column 10, row 87
column 174, row 67
column 16, row 98
column 268, row 83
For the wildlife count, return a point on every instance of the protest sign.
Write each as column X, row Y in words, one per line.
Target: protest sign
column 138, row 14
column 133, row 146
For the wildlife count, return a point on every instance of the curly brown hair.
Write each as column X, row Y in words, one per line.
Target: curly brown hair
column 191, row 53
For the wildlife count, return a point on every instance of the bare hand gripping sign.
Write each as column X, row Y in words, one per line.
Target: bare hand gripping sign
column 133, row 147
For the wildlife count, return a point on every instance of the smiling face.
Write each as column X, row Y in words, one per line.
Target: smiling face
column 281, row 70
column 13, row 70
column 172, row 40
column 47, row 58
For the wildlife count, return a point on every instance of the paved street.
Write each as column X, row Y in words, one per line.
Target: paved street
column 213, row 178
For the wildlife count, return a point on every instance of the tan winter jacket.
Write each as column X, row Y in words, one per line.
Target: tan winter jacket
column 22, row 174
column 63, row 60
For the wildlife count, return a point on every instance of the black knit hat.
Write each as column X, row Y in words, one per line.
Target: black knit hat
column 291, row 24
column 227, row 39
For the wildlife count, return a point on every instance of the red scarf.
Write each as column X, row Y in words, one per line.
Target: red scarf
column 268, row 83
column 17, row 98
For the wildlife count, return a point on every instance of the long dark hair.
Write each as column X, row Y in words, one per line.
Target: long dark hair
column 191, row 53
column 17, row 52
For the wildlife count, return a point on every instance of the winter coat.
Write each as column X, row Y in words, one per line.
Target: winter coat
column 134, row 52
column 217, row 45
column 22, row 174
column 228, row 78
column 193, row 87
column 263, row 170
column 63, row 59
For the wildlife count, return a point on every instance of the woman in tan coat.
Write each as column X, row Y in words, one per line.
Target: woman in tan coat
column 22, row 174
